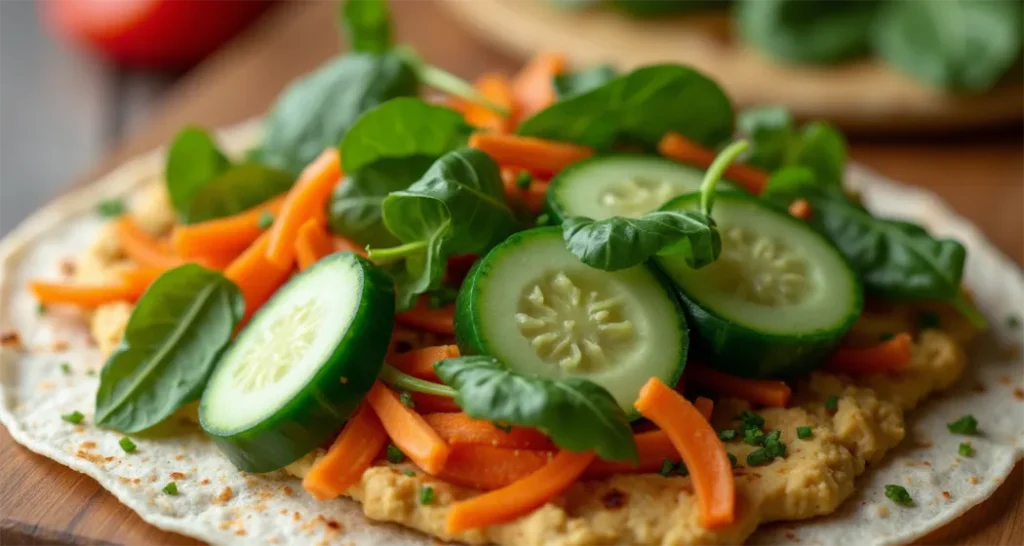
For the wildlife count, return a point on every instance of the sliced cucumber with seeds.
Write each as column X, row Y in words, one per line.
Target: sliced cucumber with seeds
column 777, row 300
column 302, row 365
column 620, row 185
column 535, row 307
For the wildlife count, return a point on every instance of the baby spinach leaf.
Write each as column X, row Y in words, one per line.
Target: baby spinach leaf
column 807, row 32
column 777, row 143
column 770, row 130
column 192, row 160
column 822, row 148
column 173, row 339
column 957, row 44
column 577, row 414
column 238, row 188
column 617, row 243
column 367, row 24
column 639, row 108
column 583, row 80
column 315, row 112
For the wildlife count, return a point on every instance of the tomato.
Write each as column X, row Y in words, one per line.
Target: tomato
column 151, row 33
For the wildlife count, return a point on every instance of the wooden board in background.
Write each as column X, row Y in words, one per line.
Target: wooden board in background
column 864, row 96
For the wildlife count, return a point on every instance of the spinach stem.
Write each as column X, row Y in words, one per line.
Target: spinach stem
column 447, row 82
column 394, row 253
column 715, row 172
column 969, row 312
column 406, row 382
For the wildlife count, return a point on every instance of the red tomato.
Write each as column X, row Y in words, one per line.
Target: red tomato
column 151, row 33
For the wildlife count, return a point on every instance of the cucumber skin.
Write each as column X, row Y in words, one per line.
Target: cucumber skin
column 470, row 341
column 305, row 423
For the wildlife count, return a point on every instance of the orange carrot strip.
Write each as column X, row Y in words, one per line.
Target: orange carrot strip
column 765, row 392
column 800, row 208
column 432, row 403
column 140, row 278
column 700, row 448
column 223, row 236
column 520, row 497
column 420, row 362
column 705, row 406
column 256, row 276
column 48, row 293
column 653, row 446
column 307, row 199
column 539, row 156
column 349, row 456
column 888, row 356
column 408, row 430
column 218, row 262
column 680, row 148
column 532, row 88
column 421, row 316
column 142, row 247
column 460, row 429
column 341, row 244
column 496, row 89
column 488, row 467
column 532, row 197
column 312, row 243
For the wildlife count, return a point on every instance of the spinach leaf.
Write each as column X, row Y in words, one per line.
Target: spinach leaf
column 238, row 188
column 174, row 337
column 807, row 32
column 639, row 108
column 770, row 130
column 957, row 44
column 777, row 143
column 315, row 112
column 822, row 148
column 577, row 414
column 402, row 127
column 659, row 8
column 617, row 243
column 367, row 24
column 583, row 80
column 192, row 160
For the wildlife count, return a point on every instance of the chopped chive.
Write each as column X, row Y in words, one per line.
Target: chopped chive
column 832, row 403
column 543, row 220
column 40, row 309
column 682, row 470
column 74, row 417
column 759, row 457
column 127, row 444
column 749, row 419
column 66, row 368
column 426, row 495
column 394, row 454
column 266, row 219
column 110, row 208
column 171, row 488
column 727, row 435
column 406, row 399
column 1013, row 321
column 667, row 466
column 966, row 449
column 886, row 336
column 408, row 472
column 899, row 495
column 774, row 445
column 732, row 460
column 928, row 319
column 753, row 436
column 966, row 425
column 804, row 432
column 523, row 180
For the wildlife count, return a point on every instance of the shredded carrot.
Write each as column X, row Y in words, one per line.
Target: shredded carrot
column 139, row 278
column 341, row 244
column 420, row 362
column 307, row 199
column 488, row 467
column 532, row 198
column 48, row 293
column 229, row 235
column 764, row 392
column 408, row 430
column 219, row 262
column 520, row 497
column 349, row 456
column 653, row 446
column 423, row 317
column 459, row 429
column 312, row 243
column 680, row 148
column 801, row 209
column 432, row 403
column 702, row 451
column 143, row 248
column 533, row 88
column 705, row 406
column 539, row 156
column 888, row 356
column 256, row 276
column 496, row 89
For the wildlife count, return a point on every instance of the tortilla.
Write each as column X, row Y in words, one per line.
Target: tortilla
column 219, row 504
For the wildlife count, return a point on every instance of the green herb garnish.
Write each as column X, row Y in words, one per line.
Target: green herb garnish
column 171, row 488
column 504, row 427
column 40, row 309
column 804, row 432
column 408, row 472
column 127, row 444
column 523, row 180
column 682, row 470
column 66, row 368
column 750, row 419
column 74, row 417
column 394, row 454
column 110, row 208
column 966, row 449
column 753, row 436
column 759, row 457
column 966, row 425
column 266, row 220
column 732, row 459
column 832, row 403
column 727, row 435
column 426, row 495
column 406, row 399
column 667, row 466
column 899, row 495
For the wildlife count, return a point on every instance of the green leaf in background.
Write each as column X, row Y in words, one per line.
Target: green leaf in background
column 820, row 147
column 580, row 81
column 770, row 130
column 807, row 31
column 176, row 333
column 367, row 25
column 577, row 414
column 192, row 160
column 315, row 112
column 639, row 108
column 661, row 8
column 238, row 188
column 777, row 143
column 402, row 127
column 618, row 243
column 958, row 44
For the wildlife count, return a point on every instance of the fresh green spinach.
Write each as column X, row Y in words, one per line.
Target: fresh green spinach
column 174, row 337
column 192, row 160
column 239, row 188
column 367, row 24
column 777, row 144
column 583, row 80
column 618, row 243
column 577, row 414
column 355, row 208
column 639, row 108
column 807, row 31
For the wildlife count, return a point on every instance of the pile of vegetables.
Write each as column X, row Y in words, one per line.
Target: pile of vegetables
column 959, row 45
column 275, row 298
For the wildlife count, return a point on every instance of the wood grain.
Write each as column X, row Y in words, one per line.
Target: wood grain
column 42, row 502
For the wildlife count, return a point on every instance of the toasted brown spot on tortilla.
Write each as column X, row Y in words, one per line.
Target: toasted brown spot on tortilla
column 224, row 496
column 137, row 481
column 108, row 459
column 46, row 386
column 284, row 511
column 883, row 511
column 613, row 499
column 89, row 444
column 67, row 267
column 91, row 457
column 946, row 495
column 60, row 345
column 179, row 457
column 333, row 524
column 10, row 339
column 1018, row 393
column 296, row 516
column 972, row 480
column 204, row 482
column 79, row 429
column 288, row 491
column 178, row 476
column 240, row 532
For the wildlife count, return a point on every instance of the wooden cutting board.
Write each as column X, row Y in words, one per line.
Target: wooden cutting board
column 42, row 502
column 863, row 96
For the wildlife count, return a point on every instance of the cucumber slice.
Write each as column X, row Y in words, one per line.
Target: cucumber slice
column 301, row 366
column 778, row 299
column 535, row 307
column 620, row 185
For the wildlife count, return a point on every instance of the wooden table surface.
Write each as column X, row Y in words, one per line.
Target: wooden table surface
column 41, row 502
